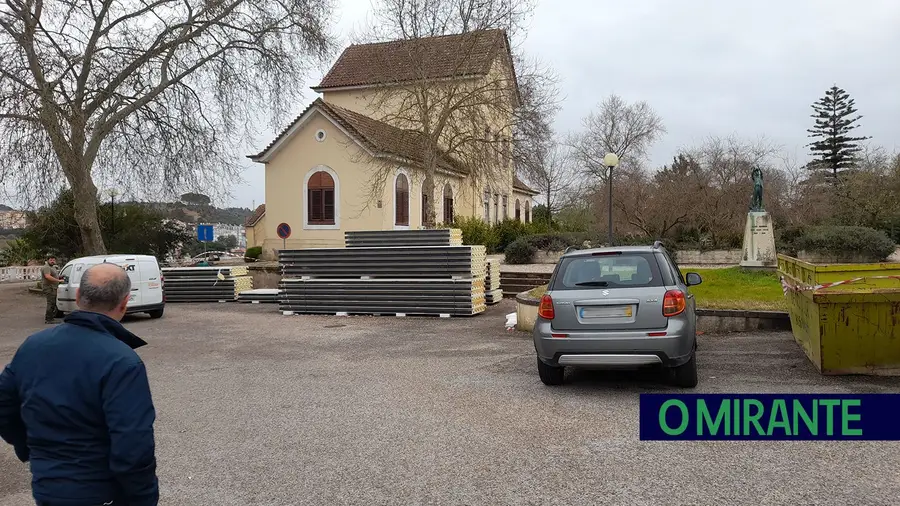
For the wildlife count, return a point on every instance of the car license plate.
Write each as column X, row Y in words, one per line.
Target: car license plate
column 607, row 312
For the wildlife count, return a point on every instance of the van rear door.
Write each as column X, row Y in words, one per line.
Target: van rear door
column 151, row 277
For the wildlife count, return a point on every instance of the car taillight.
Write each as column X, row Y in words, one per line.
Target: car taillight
column 545, row 310
column 674, row 303
column 162, row 286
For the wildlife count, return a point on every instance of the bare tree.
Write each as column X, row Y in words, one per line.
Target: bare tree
column 146, row 94
column 462, row 118
column 533, row 135
column 869, row 192
column 557, row 178
column 628, row 130
column 723, row 183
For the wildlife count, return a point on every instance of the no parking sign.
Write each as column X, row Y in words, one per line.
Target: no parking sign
column 283, row 231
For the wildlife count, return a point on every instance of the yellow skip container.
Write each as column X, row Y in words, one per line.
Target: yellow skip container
column 845, row 316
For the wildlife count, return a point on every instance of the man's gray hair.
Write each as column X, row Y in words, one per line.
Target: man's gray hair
column 104, row 293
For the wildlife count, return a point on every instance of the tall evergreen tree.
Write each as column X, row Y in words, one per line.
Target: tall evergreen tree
column 835, row 115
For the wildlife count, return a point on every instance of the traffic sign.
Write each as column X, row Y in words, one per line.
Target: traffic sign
column 205, row 233
column 283, row 230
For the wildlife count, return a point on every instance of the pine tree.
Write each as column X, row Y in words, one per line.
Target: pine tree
column 835, row 116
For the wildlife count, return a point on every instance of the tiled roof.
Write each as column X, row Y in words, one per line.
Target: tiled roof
column 377, row 136
column 257, row 215
column 520, row 185
column 461, row 55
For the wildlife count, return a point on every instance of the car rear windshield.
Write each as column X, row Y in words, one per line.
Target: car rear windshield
column 621, row 270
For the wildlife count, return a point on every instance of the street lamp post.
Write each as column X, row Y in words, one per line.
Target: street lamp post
column 610, row 161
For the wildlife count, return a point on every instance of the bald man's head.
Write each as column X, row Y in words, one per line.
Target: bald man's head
column 104, row 288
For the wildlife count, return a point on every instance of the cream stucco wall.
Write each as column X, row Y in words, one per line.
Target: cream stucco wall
column 522, row 198
column 353, row 172
column 256, row 235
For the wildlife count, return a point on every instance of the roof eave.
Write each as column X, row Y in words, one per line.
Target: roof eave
column 266, row 155
column 390, row 84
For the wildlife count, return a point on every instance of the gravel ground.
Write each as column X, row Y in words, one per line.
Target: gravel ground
column 259, row 408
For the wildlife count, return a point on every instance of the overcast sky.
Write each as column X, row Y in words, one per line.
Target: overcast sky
column 706, row 67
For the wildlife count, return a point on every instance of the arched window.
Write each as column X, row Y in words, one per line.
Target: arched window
column 320, row 199
column 527, row 211
column 425, row 209
column 518, row 210
column 448, row 204
column 401, row 200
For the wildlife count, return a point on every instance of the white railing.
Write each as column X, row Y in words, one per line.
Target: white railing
column 19, row 274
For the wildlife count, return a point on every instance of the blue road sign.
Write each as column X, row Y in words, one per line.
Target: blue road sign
column 283, row 230
column 205, row 233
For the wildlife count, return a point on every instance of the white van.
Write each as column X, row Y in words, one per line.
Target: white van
column 146, row 282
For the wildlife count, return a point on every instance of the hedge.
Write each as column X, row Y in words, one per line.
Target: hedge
column 253, row 253
column 524, row 249
column 872, row 244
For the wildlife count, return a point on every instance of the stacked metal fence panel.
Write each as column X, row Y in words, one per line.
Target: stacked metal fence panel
column 390, row 278
column 260, row 296
column 492, row 292
column 205, row 284
column 386, row 238
column 452, row 297
column 387, row 262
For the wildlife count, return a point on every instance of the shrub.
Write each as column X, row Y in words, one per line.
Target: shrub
column 475, row 231
column 556, row 241
column 254, row 252
column 18, row 252
column 787, row 240
column 872, row 244
column 520, row 251
column 508, row 231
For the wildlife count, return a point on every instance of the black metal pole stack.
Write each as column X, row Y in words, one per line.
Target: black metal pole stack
column 206, row 284
column 410, row 272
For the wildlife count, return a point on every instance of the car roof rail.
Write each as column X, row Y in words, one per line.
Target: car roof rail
column 657, row 244
column 570, row 248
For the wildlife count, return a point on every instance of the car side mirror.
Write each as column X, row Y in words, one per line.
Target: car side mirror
column 693, row 279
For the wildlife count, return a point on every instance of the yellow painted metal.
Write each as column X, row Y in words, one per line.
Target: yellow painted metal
column 845, row 329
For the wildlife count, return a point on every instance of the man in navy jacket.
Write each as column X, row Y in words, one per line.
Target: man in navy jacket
column 75, row 402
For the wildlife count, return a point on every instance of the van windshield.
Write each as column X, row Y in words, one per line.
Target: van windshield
column 624, row 270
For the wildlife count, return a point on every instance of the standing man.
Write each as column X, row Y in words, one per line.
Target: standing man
column 49, row 281
column 75, row 402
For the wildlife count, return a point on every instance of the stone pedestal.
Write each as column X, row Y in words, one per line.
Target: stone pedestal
column 759, row 242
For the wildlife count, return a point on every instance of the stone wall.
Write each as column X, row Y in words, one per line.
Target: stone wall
column 720, row 257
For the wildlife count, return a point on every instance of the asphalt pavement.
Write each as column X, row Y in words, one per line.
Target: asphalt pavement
column 264, row 409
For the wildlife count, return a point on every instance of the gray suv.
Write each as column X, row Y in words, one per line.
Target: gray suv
column 618, row 307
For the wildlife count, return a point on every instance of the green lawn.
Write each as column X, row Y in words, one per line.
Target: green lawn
column 735, row 288
column 732, row 288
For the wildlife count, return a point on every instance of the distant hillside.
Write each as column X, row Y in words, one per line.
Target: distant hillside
column 193, row 213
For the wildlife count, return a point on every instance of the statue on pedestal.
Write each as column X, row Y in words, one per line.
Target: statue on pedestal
column 759, row 236
column 756, row 202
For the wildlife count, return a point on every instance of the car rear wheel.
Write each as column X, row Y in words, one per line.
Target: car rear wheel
column 155, row 313
column 550, row 375
column 685, row 375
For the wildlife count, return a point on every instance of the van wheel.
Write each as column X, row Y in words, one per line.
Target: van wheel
column 685, row 375
column 550, row 375
column 156, row 313
column 59, row 314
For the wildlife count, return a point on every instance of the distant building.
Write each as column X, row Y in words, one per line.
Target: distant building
column 221, row 230
column 255, row 227
column 13, row 219
column 321, row 164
